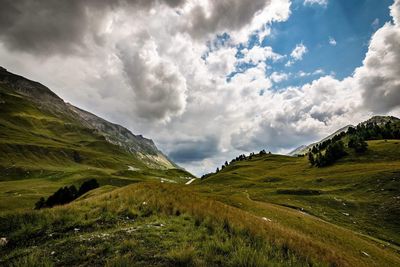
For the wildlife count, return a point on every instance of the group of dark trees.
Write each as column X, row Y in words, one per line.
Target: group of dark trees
column 237, row 159
column 324, row 145
column 334, row 148
column 373, row 131
column 357, row 143
column 66, row 194
column 333, row 152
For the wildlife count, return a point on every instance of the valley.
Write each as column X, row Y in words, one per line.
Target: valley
column 262, row 209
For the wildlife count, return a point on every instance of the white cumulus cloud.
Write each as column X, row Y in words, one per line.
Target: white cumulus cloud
column 299, row 51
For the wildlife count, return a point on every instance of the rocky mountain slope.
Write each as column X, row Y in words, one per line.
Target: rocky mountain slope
column 135, row 144
column 46, row 144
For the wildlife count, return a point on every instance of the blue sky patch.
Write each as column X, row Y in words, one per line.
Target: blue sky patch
column 336, row 37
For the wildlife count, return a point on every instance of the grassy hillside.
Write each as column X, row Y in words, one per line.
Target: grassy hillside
column 170, row 225
column 270, row 210
column 359, row 192
column 42, row 150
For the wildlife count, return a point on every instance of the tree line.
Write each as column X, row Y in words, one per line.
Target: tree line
column 335, row 149
column 239, row 158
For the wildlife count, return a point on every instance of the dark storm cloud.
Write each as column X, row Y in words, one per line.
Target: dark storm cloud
column 223, row 15
column 159, row 87
column 194, row 150
column 54, row 26
column 44, row 26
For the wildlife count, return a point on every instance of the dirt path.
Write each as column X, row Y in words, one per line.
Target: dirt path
column 191, row 181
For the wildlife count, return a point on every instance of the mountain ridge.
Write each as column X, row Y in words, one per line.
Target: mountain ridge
column 115, row 134
column 377, row 119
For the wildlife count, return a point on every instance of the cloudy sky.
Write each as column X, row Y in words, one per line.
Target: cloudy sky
column 208, row 80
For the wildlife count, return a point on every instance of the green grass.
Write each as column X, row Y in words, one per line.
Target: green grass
column 144, row 225
column 37, row 149
column 156, row 224
column 272, row 210
column 358, row 192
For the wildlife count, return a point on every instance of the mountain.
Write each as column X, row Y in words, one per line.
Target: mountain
column 301, row 150
column 378, row 120
column 46, row 143
column 135, row 144
column 263, row 210
column 381, row 120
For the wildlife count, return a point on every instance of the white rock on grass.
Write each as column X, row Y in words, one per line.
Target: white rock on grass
column 266, row 219
column 365, row 254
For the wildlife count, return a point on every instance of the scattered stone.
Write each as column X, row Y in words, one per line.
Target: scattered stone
column 3, row 241
column 266, row 219
column 365, row 253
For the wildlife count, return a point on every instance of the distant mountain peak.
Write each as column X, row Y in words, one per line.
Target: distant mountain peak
column 379, row 119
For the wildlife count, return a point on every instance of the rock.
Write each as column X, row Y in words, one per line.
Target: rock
column 3, row 241
column 77, row 229
column 365, row 254
column 266, row 219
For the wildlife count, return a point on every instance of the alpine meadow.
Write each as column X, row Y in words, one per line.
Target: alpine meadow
column 200, row 133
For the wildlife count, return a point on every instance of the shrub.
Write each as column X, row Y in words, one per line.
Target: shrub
column 66, row 194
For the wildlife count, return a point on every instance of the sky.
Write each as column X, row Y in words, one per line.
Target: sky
column 209, row 80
